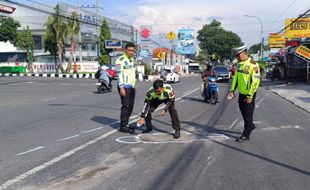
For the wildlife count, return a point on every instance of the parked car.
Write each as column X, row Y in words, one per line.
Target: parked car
column 112, row 72
column 172, row 76
column 222, row 73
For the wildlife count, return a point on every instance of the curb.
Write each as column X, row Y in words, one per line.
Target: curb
column 292, row 102
column 49, row 75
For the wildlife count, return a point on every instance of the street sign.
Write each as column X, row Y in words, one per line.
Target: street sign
column 113, row 44
column 171, row 36
column 146, row 32
column 7, row 9
column 297, row 28
column 276, row 40
column 161, row 55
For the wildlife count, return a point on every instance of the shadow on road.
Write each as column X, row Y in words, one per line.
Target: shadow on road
column 88, row 106
column 113, row 123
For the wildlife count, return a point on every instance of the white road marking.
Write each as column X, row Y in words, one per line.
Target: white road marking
column 67, row 154
column 20, row 83
column 182, row 101
column 233, row 124
column 53, row 161
column 48, row 99
column 92, row 130
column 68, row 138
column 28, row 151
column 259, row 103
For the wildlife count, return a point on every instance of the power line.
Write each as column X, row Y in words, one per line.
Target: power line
column 300, row 16
column 282, row 13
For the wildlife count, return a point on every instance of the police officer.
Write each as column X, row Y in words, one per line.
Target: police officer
column 159, row 93
column 247, row 79
column 126, row 72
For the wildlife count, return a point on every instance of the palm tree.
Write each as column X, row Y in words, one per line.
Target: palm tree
column 61, row 30
column 73, row 29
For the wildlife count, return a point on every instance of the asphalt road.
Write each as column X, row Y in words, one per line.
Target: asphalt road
column 60, row 134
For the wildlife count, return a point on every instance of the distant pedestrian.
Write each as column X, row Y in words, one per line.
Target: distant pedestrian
column 126, row 71
column 247, row 79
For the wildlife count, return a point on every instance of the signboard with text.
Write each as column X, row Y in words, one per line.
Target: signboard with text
column 113, row 44
column 276, row 40
column 303, row 51
column 297, row 29
column 6, row 9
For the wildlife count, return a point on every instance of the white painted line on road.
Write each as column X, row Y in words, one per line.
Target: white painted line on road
column 28, row 151
column 269, row 128
column 71, row 95
column 92, row 130
column 65, row 155
column 233, row 124
column 297, row 127
column 68, row 138
column 53, row 161
column 182, row 101
column 259, row 103
column 48, row 99
column 20, row 83
column 134, row 116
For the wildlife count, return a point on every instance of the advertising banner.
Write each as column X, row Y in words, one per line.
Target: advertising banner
column 298, row 29
column 276, row 40
column 186, row 42
column 304, row 52
column 113, row 44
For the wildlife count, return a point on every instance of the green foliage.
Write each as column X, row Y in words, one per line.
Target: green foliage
column 256, row 47
column 105, row 34
column 25, row 41
column 56, row 33
column 8, row 29
column 50, row 37
column 203, row 56
column 216, row 40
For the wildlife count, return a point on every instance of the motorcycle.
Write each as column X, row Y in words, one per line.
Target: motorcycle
column 103, row 86
column 211, row 94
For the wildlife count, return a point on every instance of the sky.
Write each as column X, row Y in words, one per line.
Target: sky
column 171, row 15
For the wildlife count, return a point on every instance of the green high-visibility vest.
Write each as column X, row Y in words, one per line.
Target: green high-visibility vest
column 247, row 78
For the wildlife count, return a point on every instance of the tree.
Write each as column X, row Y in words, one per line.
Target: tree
column 215, row 40
column 256, row 47
column 73, row 29
column 50, row 39
column 8, row 29
column 57, row 29
column 105, row 34
column 25, row 42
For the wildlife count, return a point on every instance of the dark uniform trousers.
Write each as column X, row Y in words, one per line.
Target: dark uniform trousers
column 172, row 111
column 127, row 105
column 247, row 111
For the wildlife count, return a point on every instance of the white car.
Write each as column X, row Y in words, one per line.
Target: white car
column 172, row 76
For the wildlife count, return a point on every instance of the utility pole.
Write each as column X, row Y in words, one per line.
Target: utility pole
column 97, row 23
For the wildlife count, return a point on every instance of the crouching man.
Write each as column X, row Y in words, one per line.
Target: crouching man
column 159, row 93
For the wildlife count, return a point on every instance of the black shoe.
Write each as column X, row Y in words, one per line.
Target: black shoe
column 147, row 129
column 126, row 129
column 177, row 134
column 243, row 138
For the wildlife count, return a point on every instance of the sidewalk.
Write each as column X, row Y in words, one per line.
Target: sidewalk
column 296, row 93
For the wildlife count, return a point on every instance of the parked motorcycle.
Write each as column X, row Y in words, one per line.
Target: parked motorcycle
column 211, row 93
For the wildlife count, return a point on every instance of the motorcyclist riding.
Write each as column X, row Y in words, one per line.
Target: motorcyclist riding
column 105, row 76
column 208, row 72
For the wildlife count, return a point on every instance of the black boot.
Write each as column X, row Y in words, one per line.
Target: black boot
column 148, row 128
column 177, row 134
column 126, row 129
column 243, row 138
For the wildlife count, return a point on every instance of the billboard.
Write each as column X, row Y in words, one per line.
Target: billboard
column 113, row 44
column 276, row 40
column 186, row 42
column 298, row 29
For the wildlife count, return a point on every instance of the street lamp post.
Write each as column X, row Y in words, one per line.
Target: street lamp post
column 261, row 34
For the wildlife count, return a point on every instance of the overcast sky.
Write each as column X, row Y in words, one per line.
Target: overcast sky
column 171, row 15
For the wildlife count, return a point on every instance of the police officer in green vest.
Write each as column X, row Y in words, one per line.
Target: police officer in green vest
column 246, row 79
column 159, row 93
column 126, row 72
